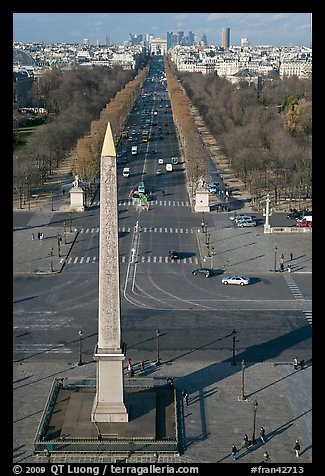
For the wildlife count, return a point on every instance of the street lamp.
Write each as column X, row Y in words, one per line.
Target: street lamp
column 242, row 397
column 202, row 224
column 157, row 339
column 275, row 250
column 59, row 241
column 51, row 263
column 80, row 349
column 254, row 422
column 212, row 254
column 234, row 340
column 65, row 232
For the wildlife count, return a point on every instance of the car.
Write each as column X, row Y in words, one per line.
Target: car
column 304, row 223
column 240, row 216
column 212, row 188
column 173, row 255
column 158, row 172
column 160, row 161
column 236, row 279
column 243, row 223
column 141, row 188
column 294, row 215
column 207, row 272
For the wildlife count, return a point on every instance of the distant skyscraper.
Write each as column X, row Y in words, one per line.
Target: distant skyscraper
column 225, row 38
column 86, row 41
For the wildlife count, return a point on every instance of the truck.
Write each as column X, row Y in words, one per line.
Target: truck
column 134, row 150
column 169, row 167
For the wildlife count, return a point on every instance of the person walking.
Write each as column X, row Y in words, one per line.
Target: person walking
column 291, row 256
column 266, row 457
column 295, row 363
column 185, row 396
column 289, row 268
column 246, row 441
column 297, row 448
column 233, row 452
column 262, row 434
column 33, row 237
column 142, row 366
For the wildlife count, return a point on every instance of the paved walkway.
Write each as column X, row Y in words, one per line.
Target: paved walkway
column 216, row 418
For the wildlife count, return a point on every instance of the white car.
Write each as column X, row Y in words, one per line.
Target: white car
column 242, row 223
column 242, row 280
column 158, row 172
column 241, row 216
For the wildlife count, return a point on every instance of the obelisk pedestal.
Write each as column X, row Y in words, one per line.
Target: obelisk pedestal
column 109, row 403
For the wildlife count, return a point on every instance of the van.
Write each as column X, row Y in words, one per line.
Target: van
column 134, row 150
column 169, row 168
column 126, row 172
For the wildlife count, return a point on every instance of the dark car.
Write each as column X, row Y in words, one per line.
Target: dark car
column 173, row 255
column 207, row 272
column 294, row 215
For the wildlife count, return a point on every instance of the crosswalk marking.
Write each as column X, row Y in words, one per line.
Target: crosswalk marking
column 140, row 259
column 309, row 317
column 164, row 203
column 294, row 288
column 123, row 229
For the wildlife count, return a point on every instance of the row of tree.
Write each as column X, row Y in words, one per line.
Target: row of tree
column 265, row 133
column 73, row 98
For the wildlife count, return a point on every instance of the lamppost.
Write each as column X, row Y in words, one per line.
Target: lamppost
column 203, row 224
column 254, row 421
column 207, row 239
column 51, row 262
column 59, row 242
column 157, row 340
column 212, row 254
column 65, row 232
column 80, row 349
column 234, row 340
column 242, row 397
column 275, row 250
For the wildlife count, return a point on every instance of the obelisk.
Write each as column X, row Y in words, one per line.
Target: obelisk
column 109, row 405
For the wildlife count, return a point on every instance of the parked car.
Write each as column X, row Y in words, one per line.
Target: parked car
column 158, row 172
column 207, row 272
column 294, row 215
column 173, row 255
column 244, row 223
column 304, row 223
column 236, row 279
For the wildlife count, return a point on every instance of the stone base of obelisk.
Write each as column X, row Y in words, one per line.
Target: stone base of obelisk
column 67, row 428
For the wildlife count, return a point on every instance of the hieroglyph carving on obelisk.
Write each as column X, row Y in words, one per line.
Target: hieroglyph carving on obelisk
column 109, row 403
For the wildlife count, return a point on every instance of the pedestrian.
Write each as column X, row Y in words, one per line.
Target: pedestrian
column 282, row 257
column 142, row 366
column 233, row 452
column 289, row 268
column 33, row 237
column 262, row 434
column 38, row 236
column 129, row 365
column 281, row 267
column 163, row 193
column 266, row 457
column 291, row 256
column 185, row 396
column 246, row 441
column 297, row 448
column 41, row 236
column 295, row 363
column 63, row 192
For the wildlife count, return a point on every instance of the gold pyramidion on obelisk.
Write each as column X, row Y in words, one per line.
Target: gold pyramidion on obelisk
column 109, row 405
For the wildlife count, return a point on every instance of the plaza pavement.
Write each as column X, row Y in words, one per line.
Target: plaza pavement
column 216, row 418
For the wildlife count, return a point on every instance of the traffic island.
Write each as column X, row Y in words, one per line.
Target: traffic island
column 66, row 429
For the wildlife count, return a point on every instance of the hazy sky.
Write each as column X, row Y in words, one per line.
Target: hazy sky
column 260, row 28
